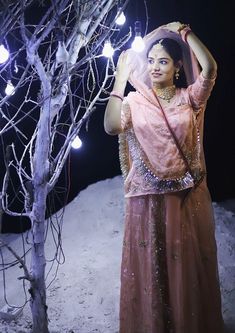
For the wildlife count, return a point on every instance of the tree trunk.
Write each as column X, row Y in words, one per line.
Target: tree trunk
column 38, row 263
column 40, row 186
column 1, row 211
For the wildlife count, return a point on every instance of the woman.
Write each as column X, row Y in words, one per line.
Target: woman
column 169, row 276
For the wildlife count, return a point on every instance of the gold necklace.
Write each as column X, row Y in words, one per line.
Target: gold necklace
column 165, row 93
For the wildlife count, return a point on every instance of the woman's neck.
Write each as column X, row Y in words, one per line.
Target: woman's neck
column 165, row 93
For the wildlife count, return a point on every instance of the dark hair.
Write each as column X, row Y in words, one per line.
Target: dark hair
column 175, row 52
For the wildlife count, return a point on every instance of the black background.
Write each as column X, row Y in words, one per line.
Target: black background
column 98, row 158
column 213, row 22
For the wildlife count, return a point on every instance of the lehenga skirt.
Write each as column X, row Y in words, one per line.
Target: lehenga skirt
column 169, row 273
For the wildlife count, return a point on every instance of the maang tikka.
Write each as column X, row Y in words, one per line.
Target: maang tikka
column 159, row 44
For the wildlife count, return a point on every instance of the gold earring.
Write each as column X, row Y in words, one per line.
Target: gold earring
column 177, row 75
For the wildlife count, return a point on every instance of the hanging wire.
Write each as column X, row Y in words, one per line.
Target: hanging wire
column 146, row 17
column 4, row 284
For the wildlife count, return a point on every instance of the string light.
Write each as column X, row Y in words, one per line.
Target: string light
column 9, row 88
column 4, row 54
column 121, row 19
column 77, row 143
column 108, row 50
column 138, row 43
column 62, row 54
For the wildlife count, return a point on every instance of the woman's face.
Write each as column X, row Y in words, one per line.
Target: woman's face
column 161, row 67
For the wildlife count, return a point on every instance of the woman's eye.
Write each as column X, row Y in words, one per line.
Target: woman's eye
column 163, row 62
column 150, row 61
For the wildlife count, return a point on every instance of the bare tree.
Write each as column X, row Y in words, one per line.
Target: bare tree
column 56, row 85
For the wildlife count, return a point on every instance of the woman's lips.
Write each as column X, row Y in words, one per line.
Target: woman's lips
column 154, row 74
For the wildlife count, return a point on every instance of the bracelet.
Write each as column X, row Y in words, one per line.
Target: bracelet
column 184, row 32
column 116, row 94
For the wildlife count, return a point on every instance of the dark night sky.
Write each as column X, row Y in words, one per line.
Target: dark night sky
column 212, row 21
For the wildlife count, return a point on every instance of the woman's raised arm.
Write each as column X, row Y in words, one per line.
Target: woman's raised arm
column 203, row 55
column 112, row 117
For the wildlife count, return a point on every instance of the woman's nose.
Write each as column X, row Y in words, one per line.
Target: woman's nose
column 156, row 66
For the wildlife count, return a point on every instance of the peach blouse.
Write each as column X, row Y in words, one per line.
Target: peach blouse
column 156, row 165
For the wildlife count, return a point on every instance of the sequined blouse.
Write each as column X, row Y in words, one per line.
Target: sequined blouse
column 150, row 160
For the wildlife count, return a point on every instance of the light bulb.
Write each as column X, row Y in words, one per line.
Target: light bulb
column 108, row 50
column 138, row 44
column 9, row 88
column 4, row 54
column 121, row 19
column 62, row 54
column 77, row 143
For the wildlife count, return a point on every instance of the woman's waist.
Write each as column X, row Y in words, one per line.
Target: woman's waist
column 141, row 180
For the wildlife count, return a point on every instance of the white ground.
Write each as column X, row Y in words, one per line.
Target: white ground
column 84, row 297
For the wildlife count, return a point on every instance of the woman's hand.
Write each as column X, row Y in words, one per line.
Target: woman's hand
column 123, row 68
column 175, row 26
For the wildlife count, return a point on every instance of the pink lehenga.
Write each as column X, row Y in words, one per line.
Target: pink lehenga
column 169, row 277
column 169, row 274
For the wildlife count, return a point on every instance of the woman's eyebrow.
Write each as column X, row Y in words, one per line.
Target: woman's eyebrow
column 162, row 58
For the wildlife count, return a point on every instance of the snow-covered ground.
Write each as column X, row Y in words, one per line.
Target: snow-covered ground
column 84, row 296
